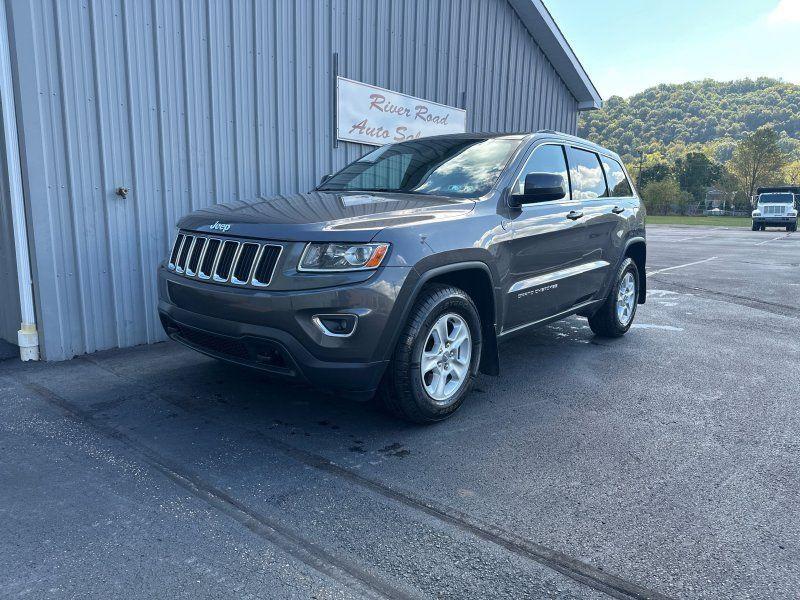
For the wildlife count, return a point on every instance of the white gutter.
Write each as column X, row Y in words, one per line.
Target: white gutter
column 28, row 337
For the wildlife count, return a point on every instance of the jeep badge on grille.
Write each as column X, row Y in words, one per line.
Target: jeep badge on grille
column 220, row 226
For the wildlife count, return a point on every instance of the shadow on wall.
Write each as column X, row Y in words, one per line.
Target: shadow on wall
column 10, row 315
column 8, row 350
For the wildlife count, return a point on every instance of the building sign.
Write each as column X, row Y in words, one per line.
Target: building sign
column 371, row 115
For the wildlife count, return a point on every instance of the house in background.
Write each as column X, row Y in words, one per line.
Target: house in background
column 716, row 198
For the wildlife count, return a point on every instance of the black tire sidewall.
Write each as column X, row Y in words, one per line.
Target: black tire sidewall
column 458, row 303
column 628, row 266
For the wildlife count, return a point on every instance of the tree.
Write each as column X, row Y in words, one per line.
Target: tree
column 720, row 150
column 791, row 173
column 701, row 116
column 664, row 197
column 730, row 185
column 757, row 160
column 655, row 172
column 696, row 174
column 741, row 201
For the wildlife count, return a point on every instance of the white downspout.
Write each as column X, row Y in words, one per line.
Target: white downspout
column 27, row 336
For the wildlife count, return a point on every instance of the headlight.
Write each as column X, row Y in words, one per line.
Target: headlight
column 756, row 213
column 342, row 257
column 792, row 213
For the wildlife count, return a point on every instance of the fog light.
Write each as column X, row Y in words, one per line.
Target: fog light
column 336, row 325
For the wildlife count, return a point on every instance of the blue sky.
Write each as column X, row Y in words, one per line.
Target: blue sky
column 629, row 45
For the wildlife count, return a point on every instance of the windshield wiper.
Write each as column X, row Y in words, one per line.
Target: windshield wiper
column 390, row 190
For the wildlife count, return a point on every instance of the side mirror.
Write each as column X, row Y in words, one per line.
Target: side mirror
column 325, row 178
column 540, row 187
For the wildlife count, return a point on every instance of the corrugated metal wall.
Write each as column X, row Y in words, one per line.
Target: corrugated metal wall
column 10, row 316
column 196, row 102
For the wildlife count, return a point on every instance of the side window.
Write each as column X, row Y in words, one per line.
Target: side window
column 545, row 159
column 617, row 181
column 586, row 174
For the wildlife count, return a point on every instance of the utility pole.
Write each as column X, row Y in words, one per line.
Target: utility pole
column 641, row 162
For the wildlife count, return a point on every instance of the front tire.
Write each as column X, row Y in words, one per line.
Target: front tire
column 437, row 356
column 615, row 317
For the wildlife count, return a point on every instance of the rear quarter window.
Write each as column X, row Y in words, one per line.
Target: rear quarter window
column 618, row 184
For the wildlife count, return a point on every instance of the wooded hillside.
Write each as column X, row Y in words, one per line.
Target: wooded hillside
column 709, row 116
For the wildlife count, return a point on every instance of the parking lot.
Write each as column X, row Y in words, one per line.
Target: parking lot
column 663, row 464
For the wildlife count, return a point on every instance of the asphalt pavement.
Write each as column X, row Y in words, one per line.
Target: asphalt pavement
column 665, row 464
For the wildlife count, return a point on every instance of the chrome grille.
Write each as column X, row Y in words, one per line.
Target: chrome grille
column 210, row 257
column 775, row 209
column 224, row 261
column 194, row 255
column 243, row 269
column 265, row 265
column 173, row 257
column 183, row 253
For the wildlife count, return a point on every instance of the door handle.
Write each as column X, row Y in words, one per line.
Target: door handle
column 574, row 215
column 617, row 210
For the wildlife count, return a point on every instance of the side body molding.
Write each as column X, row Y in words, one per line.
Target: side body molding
column 557, row 275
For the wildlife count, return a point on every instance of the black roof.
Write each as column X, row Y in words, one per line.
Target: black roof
column 786, row 189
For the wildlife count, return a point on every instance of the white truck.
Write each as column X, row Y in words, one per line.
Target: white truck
column 776, row 207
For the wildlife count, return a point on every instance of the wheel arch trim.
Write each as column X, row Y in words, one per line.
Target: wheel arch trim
column 489, row 358
column 638, row 240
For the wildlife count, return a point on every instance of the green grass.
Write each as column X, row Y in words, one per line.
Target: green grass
column 707, row 221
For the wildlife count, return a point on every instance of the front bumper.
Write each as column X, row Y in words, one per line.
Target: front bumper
column 774, row 221
column 275, row 332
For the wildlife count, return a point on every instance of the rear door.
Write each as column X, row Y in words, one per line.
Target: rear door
column 601, row 218
column 548, row 240
column 608, row 235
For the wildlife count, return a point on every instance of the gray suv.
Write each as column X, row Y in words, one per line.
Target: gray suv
column 399, row 275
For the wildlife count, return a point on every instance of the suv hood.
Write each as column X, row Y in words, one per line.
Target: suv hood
column 323, row 216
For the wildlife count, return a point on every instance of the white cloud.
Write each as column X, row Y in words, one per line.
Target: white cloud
column 787, row 12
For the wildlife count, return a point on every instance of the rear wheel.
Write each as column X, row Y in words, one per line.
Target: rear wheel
column 615, row 316
column 437, row 357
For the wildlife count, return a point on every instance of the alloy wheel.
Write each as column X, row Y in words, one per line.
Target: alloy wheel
column 626, row 299
column 446, row 357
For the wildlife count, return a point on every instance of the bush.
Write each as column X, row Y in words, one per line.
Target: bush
column 665, row 197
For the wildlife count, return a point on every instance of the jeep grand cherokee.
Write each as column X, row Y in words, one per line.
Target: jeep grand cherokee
column 399, row 275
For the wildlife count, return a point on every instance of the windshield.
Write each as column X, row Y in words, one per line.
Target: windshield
column 461, row 167
column 775, row 198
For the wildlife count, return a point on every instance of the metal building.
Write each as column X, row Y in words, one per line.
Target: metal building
column 186, row 103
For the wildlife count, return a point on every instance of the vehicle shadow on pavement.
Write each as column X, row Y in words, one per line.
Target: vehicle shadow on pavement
column 146, row 389
column 269, row 400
